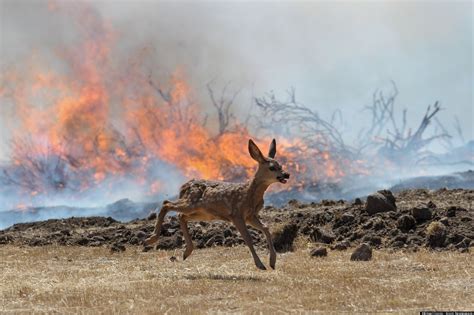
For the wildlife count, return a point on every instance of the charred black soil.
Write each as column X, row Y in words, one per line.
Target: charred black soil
column 437, row 219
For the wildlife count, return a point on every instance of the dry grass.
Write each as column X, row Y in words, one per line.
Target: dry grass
column 92, row 280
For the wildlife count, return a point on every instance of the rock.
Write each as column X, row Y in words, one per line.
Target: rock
column 406, row 222
column 170, row 242
column 214, row 240
column 284, row 237
column 134, row 241
column 321, row 235
column 362, row 252
column 319, row 252
column 140, row 234
column 357, row 202
column 381, row 201
column 5, row 239
column 151, row 216
column 415, row 240
column 344, row 219
column 229, row 241
column 451, row 212
column 83, row 241
column 444, row 220
column 375, row 223
column 421, row 213
column 65, row 232
column 388, row 194
column 372, row 240
column 454, row 238
column 117, row 247
column 400, row 238
column 147, row 248
column 98, row 238
column 343, row 245
column 431, row 205
column 436, row 234
column 227, row 232
column 398, row 244
column 326, row 202
column 464, row 243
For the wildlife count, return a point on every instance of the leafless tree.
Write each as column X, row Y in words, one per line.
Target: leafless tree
column 223, row 106
column 396, row 138
column 316, row 131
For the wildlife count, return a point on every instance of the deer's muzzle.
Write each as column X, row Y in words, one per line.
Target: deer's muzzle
column 283, row 178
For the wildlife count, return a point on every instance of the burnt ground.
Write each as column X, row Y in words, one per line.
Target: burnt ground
column 438, row 219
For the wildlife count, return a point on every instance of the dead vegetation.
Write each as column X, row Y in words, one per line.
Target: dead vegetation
column 92, row 280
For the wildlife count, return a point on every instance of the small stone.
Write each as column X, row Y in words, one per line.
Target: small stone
column 436, row 234
column 98, row 238
column 400, row 238
column 451, row 212
column 464, row 243
column 444, row 220
column 406, row 222
column 319, row 252
column 321, row 235
column 227, row 233
column 421, row 213
column 83, row 241
column 398, row 244
column 284, row 237
column 343, row 245
column 347, row 218
column 431, row 205
column 147, row 248
column 362, row 253
column 415, row 240
column 117, row 247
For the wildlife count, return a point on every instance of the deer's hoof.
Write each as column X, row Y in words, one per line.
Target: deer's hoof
column 261, row 266
column 272, row 262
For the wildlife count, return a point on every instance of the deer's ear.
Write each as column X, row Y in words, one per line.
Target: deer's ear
column 273, row 149
column 255, row 152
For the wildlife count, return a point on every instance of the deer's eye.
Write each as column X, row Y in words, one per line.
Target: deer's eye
column 272, row 168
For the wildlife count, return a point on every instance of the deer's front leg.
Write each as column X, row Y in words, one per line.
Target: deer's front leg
column 256, row 223
column 240, row 225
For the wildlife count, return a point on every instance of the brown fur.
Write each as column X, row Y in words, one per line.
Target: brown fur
column 239, row 203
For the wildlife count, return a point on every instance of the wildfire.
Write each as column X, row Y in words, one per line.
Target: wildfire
column 91, row 123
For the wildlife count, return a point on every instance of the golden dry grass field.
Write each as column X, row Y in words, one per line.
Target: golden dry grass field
column 88, row 280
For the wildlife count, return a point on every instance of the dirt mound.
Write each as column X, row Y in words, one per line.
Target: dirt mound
column 441, row 219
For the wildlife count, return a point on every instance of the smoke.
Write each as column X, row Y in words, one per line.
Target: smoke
column 334, row 53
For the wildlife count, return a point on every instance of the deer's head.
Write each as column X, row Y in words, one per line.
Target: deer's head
column 269, row 170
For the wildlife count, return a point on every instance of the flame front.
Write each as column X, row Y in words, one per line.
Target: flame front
column 99, row 121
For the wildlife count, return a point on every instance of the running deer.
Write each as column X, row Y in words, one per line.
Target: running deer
column 239, row 203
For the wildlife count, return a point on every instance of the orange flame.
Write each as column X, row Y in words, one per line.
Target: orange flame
column 96, row 123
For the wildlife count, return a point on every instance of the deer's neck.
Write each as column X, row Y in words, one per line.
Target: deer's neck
column 257, row 189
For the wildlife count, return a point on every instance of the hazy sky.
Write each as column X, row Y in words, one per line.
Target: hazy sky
column 335, row 53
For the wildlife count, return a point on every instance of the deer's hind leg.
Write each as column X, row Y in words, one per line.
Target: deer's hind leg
column 159, row 222
column 183, row 222
column 179, row 206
